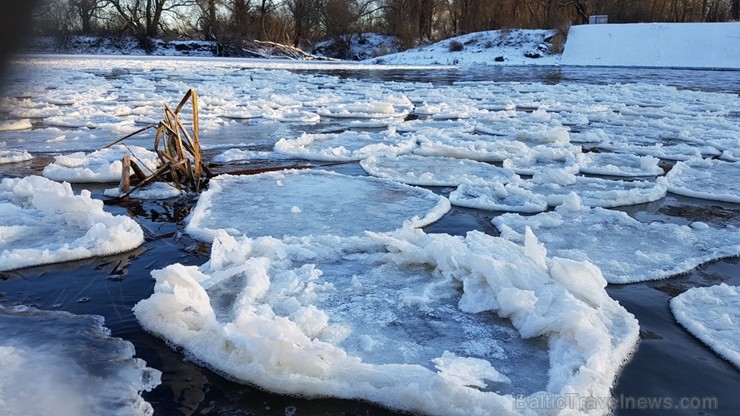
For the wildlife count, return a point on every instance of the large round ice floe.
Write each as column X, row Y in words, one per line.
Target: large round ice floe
column 436, row 171
column 552, row 188
column 306, row 202
column 707, row 179
column 412, row 321
column 100, row 166
column 56, row 363
column 345, row 146
column 43, row 222
column 712, row 314
column 625, row 249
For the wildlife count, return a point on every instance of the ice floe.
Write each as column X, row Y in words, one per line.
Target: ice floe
column 14, row 156
column 365, row 110
column 436, row 171
column 346, row 146
column 155, row 190
column 620, row 164
column 68, row 365
column 428, row 323
column 483, row 148
column 537, row 160
column 306, row 202
column 14, row 125
column 707, row 179
column 43, row 222
column 712, row 314
column 100, row 166
column 552, row 188
column 245, row 156
column 626, row 250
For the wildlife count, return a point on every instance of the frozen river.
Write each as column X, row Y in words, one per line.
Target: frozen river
column 428, row 135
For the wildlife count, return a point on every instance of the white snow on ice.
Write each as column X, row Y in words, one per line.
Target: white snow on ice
column 68, row 365
column 43, row 222
column 328, row 204
column 712, row 314
column 336, row 317
column 625, row 249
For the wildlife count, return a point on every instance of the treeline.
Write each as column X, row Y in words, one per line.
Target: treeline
column 302, row 22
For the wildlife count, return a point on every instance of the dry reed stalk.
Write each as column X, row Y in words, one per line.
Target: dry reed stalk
column 178, row 147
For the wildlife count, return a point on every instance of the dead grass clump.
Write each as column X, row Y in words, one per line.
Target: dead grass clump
column 178, row 149
column 455, row 46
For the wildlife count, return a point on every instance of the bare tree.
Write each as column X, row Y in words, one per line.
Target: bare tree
column 145, row 16
column 208, row 20
column 87, row 10
column 305, row 14
column 239, row 16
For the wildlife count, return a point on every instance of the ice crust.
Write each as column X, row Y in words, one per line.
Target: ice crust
column 326, row 316
column 712, row 314
column 327, row 204
column 69, row 365
column 43, row 222
column 626, row 250
column 707, row 179
column 100, row 166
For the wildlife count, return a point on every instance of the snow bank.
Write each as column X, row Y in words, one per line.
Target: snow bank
column 43, row 222
column 307, row 202
column 712, row 314
column 683, row 45
column 406, row 320
column 495, row 47
column 68, row 365
column 625, row 249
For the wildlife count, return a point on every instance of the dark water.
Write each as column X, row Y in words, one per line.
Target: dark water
column 692, row 79
column 669, row 364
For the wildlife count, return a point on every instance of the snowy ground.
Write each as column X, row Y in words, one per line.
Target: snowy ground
column 683, row 45
column 497, row 47
column 323, row 311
